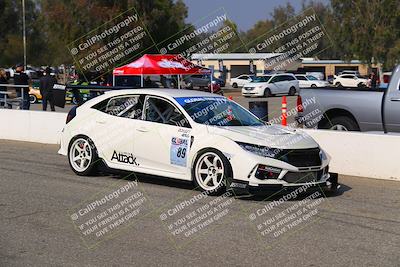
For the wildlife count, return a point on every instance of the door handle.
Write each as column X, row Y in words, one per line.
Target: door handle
column 142, row 129
column 395, row 99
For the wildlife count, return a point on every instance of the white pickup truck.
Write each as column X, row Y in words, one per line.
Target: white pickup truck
column 352, row 109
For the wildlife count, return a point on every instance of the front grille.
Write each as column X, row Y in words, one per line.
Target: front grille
column 303, row 177
column 301, row 157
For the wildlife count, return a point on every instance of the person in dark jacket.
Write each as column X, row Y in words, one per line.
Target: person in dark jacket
column 21, row 78
column 46, row 89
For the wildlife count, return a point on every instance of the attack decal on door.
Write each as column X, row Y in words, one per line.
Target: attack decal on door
column 179, row 151
column 124, row 157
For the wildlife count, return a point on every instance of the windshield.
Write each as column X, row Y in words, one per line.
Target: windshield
column 217, row 111
column 311, row 78
column 261, row 79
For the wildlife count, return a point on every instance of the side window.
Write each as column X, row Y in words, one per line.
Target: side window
column 243, row 77
column 301, row 78
column 161, row 111
column 275, row 79
column 348, row 76
column 127, row 106
column 288, row 78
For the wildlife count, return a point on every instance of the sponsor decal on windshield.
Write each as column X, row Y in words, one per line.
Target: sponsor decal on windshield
column 185, row 100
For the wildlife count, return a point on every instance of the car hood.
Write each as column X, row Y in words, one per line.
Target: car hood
column 274, row 136
column 251, row 84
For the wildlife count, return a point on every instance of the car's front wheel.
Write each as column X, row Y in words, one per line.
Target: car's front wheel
column 82, row 156
column 211, row 171
column 32, row 99
column 292, row 91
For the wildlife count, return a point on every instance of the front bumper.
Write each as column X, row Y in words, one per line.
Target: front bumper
column 330, row 184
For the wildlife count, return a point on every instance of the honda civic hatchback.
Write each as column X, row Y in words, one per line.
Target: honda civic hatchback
column 191, row 136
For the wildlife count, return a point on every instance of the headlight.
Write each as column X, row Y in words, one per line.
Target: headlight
column 322, row 155
column 262, row 151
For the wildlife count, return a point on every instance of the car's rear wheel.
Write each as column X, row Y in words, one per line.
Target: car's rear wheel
column 292, row 91
column 211, row 171
column 338, row 84
column 235, row 85
column 313, row 85
column 82, row 156
column 267, row 92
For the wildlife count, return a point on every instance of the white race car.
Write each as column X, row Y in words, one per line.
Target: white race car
column 194, row 136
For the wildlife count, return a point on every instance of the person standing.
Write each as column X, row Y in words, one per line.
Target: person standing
column 373, row 80
column 21, row 78
column 3, row 80
column 46, row 89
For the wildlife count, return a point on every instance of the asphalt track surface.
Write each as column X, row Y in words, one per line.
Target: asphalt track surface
column 360, row 226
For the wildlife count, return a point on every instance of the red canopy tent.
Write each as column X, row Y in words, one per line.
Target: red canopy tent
column 160, row 65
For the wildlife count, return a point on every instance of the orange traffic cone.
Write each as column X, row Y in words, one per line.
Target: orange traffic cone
column 284, row 111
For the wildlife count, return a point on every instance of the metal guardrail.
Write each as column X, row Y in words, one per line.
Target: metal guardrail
column 10, row 101
column 69, row 87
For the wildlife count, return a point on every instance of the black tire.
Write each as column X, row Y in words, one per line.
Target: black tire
column 74, row 101
column 313, row 85
column 189, row 85
column 338, row 84
column 292, row 91
column 267, row 92
column 348, row 123
column 361, row 85
column 92, row 168
column 225, row 179
column 235, row 85
column 32, row 99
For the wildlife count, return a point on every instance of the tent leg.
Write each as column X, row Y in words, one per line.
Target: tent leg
column 141, row 80
column 113, row 80
column 179, row 81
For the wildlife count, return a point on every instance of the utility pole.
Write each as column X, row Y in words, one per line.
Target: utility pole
column 24, row 32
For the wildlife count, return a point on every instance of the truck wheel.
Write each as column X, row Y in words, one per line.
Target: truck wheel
column 340, row 123
column 292, row 91
column 267, row 92
column 234, row 85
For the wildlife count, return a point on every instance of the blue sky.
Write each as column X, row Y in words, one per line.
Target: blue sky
column 245, row 13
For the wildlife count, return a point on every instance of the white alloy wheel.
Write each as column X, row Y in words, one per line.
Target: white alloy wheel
column 209, row 171
column 80, row 155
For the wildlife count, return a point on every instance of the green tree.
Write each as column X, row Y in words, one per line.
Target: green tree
column 367, row 30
